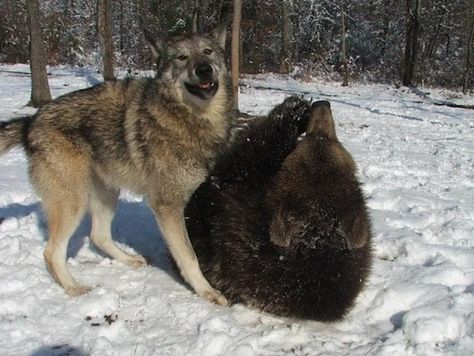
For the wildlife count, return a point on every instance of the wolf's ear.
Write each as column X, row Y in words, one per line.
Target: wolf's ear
column 220, row 34
column 157, row 45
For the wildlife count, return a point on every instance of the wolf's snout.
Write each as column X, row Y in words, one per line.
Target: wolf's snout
column 204, row 71
column 204, row 84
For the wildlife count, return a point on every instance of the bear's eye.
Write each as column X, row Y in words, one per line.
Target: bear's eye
column 182, row 57
column 207, row 51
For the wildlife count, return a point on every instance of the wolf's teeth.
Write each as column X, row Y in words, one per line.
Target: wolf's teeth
column 206, row 85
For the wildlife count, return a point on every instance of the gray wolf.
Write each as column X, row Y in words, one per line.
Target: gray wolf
column 157, row 137
column 281, row 224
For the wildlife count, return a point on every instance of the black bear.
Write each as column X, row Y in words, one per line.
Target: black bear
column 282, row 225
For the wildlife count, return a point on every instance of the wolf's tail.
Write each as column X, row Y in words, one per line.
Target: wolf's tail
column 13, row 133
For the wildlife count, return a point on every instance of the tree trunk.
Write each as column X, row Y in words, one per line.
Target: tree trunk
column 467, row 69
column 194, row 28
column 104, row 30
column 122, row 27
column 386, row 27
column 222, row 11
column 411, row 43
column 345, row 72
column 141, row 13
column 235, row 70
column 40, row 93
column 200, row 22
column 285, row 55
column 203, row 23
column 434, row 38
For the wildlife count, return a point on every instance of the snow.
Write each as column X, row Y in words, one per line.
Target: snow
column 416, row 161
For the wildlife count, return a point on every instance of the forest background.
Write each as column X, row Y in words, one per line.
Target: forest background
column 303, row 38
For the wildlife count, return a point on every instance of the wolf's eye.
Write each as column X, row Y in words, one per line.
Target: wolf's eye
column 207, row 51
column 182, row 57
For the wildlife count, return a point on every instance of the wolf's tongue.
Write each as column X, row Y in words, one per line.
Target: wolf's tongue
column 205, row 85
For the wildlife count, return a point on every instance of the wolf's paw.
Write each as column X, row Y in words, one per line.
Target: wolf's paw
column 136, row 261
column 215, row 297
column 77, row 290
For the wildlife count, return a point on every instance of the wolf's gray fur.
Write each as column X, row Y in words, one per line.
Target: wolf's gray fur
column 156, row 136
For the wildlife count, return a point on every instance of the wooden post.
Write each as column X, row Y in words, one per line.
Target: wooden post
column 235, row 70
column 345, row 72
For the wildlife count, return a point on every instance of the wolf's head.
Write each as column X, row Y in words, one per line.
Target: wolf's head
column 193, row 65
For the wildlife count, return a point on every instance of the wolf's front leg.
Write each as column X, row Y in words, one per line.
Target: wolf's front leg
column 173, row 229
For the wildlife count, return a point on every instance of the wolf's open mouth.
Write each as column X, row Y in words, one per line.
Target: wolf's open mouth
column 204, row 90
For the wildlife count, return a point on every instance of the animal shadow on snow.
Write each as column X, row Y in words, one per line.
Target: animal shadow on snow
column 134, row 225
column 58, row 350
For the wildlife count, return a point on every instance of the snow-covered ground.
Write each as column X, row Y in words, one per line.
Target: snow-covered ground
column 416, row 161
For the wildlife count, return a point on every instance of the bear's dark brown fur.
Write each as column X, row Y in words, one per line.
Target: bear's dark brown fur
column 281, row 225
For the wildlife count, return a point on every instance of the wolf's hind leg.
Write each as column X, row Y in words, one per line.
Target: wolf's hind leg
column 173, row 229
column 103, row 201
column 60, row 174
column 64, row 215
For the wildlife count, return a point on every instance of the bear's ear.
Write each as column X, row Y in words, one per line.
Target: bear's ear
column 157, row 45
